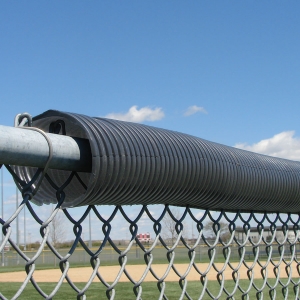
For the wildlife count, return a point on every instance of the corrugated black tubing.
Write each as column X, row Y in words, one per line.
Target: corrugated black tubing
column 139, row 164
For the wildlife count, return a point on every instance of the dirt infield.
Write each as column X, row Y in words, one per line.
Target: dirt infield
column 109, row 273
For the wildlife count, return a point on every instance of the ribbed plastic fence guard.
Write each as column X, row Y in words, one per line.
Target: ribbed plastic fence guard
column 244, row 208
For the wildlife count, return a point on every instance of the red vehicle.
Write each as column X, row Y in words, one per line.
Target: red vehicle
column 144, row 237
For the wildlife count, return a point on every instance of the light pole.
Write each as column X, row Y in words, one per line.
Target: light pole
column 90, row 231
column 29, row 242
column 24, row 227
column 2, row 211
column 17, row 221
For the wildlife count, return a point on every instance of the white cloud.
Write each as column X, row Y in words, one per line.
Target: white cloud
column 138, row 115
column 199, row 215
column 12, row 199
column 283, row 145
column 194, row 109
column 9, row 183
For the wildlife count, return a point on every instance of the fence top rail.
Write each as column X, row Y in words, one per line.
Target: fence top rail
column 138, row 164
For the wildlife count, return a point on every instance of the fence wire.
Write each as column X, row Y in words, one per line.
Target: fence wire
column 229, row 256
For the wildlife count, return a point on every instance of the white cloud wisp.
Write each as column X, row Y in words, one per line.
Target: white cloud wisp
column 191, row 110
column 284, row 145
column 138, row 115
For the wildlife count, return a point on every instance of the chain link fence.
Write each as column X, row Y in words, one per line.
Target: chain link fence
column 244, row 250
column 261, row 257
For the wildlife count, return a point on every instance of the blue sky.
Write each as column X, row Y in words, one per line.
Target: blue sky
column 226, row 71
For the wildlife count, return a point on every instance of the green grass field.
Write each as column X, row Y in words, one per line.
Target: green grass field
column 124, row 291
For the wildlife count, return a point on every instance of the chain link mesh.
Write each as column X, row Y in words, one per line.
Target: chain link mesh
column 260, row 253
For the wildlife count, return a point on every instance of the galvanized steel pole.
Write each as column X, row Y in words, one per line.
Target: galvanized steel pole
column 22, row 147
